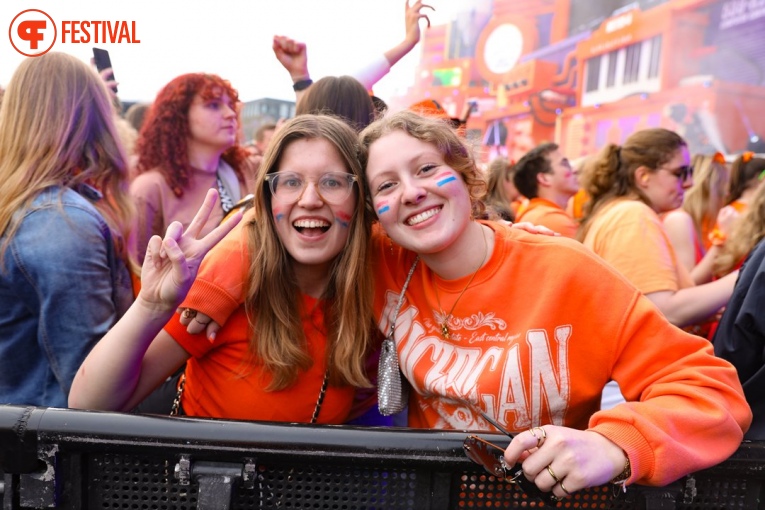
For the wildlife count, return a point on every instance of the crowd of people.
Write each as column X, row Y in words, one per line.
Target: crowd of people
column 256, row 281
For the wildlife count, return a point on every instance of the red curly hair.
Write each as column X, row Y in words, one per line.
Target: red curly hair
column 163, row 141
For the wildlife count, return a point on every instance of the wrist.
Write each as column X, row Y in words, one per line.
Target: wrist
column 621, row 478
column 152, row 310
column 303, row 84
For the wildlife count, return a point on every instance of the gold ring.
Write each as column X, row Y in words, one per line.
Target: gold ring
column 541, row 438
column 563, row 488
column 189, row 313
column 552, row 473
column 531, row 431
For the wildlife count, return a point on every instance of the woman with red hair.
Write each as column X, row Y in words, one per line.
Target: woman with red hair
column 187, row 145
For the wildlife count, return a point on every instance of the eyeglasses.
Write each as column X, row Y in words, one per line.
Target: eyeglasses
column 333, row 187
column 492, row 458
column 682, row 172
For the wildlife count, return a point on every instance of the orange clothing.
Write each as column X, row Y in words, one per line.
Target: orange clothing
column 219, row 381
column 630, row 236
column 576, row 204
column 548, row 214
column 541, row 329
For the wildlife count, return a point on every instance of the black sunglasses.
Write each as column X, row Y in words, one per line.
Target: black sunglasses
column 492, row 458
column 682, row 172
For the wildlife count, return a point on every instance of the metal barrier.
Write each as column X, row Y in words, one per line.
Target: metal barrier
column 70, row 459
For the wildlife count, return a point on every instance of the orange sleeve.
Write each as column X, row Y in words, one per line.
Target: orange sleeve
column 219, row 288
column 667, row 422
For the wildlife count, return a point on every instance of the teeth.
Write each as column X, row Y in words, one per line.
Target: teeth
column 310, row 224
column 419, row 218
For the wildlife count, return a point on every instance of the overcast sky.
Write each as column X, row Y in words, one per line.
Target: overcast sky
column 232, row 38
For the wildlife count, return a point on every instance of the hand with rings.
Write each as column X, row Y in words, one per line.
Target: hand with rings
column 563, row 460
column 196, row 322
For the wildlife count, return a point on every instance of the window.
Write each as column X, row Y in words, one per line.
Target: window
column 653, row 69
column 632, row 63
column 593, row 74
column 611, row 77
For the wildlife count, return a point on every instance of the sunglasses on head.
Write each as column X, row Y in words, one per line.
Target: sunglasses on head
column 492, row 458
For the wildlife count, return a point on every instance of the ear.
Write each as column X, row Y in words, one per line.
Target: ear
column 642, row 176
column 543, row 179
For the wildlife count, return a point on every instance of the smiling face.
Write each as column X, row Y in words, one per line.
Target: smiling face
column 312, row 231
column 421, row 202
column 665, row 187
column 213, row 122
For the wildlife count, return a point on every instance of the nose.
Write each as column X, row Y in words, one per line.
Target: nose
column 687, row 183
column 310, row 197
column 412, row 192
column 229, row 111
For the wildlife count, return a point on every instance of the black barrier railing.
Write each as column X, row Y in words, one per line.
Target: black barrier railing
column 68, row 459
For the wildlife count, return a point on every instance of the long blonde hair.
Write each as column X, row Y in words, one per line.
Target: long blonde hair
column 706, row 197
column 747, row 232
column 57, row 129
column 273, row 304
column 612, row 175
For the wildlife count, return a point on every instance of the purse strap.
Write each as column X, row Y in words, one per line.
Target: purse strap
column 401, row 297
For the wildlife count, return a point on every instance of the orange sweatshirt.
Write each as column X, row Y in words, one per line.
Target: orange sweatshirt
column 544, row 325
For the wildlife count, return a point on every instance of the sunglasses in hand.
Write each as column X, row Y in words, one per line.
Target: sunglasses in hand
column 492, row 458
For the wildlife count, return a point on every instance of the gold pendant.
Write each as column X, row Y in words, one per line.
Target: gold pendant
column 445, row 329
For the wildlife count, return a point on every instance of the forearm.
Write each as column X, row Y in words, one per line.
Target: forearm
column 110, row 374
column 694, row 304
column 397, row 52
column 702, row 272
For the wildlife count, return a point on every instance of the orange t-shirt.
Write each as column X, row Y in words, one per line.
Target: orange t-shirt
column 548, row 214
column 629, row 235
column 220, row 383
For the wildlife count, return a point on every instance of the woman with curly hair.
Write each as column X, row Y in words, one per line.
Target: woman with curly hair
column 188, row 144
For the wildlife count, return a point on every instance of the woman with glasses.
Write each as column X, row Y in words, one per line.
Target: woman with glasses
column 497, row 326
column 630, row 186
column 295, row 349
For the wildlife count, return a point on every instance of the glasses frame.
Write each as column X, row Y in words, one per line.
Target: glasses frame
column 352, row 179
column 492, row 458
column 682, row 173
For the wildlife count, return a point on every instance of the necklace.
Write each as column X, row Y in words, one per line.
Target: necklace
column 445, row 317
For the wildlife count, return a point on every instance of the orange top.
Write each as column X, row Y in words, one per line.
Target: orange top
column 630, row 236
column 220, row 383
column 548, row 214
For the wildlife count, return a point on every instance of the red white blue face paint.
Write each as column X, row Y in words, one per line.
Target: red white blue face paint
column 445, row 178
column 382, row 207
column 343, row 219
column 278, row 215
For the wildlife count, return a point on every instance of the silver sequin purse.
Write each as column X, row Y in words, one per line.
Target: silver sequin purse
column 392, row 387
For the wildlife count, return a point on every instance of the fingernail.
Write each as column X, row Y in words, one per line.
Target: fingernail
column 211, row 337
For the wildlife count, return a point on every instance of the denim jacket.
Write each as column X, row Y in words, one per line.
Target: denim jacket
column 63, row 286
